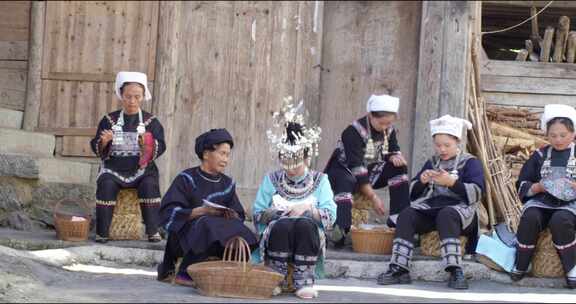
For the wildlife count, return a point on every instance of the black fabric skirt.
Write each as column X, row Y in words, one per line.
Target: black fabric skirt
column 199, row 235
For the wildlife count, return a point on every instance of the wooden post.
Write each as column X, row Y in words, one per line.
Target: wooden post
column 34, row 81
column 571, row 48
column 442, row 70
column 535, row 36
column 546, row 44
column 166, row 82
column 561, row 38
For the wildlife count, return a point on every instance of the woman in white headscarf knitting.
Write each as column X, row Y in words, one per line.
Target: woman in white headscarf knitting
column 547, row 188
column 444, row 197
column 128, row 141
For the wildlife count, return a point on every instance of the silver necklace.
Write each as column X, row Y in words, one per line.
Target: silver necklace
column 309, row 183
column 207, row 178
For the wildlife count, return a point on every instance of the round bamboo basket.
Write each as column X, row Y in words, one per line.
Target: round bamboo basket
column 375, row 241
column 546, row 262
column 127, row 218
column 68, row 229
column 234, row 276
column 430, row 244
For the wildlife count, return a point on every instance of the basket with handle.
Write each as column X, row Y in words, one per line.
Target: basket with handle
column 234, row 276
column 70, row 227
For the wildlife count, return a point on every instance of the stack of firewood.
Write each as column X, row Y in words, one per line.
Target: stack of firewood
column 558, row 45
column 516, row 133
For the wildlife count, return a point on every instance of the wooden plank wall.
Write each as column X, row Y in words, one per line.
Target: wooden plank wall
column 14, row 26
column 85, row 45
column 236, row 61
column 528, row 84
column 368, row 47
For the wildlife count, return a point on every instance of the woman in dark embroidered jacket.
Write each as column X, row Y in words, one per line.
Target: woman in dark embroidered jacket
column 201, row 211
column 444, row 196
column 128, row 141
column 547, row 188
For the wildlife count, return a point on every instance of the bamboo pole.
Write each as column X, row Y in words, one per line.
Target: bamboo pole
column 34, row 81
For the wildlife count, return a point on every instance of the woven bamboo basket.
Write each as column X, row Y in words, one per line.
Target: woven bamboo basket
column 375, row 241
column 430, row 244
column 546, row 262
column 127, row 217
column 72, row 227
column 234, row 276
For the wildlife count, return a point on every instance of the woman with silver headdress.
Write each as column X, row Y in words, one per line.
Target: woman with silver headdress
column 294, row 205
column 128, row 141
column 444, row 197
column 547, row 188
column 368, row 157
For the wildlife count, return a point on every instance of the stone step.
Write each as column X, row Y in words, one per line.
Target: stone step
column 46, row 170
column 26, row 143
column 11, row 118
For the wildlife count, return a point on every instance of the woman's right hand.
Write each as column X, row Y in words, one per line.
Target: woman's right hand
column 537, row 188
column 427, row 176
column 201, row 211
column 106, row 136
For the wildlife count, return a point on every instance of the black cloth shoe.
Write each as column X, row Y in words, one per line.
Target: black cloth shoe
column 100, row 239
column 394, row 275
column 457, row 279
column 570, row 284
column 517, row 275
column 165, row 274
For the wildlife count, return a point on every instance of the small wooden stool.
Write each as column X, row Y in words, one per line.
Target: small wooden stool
column 546, row 262
column 430, row 244
column 127, row 217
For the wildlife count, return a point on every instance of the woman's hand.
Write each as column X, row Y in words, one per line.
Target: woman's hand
column 201, row 211
column 427, row 176
column 443, row 178
column 538, row 188
column 398, row 160
column 298, row 209
column 106, row 136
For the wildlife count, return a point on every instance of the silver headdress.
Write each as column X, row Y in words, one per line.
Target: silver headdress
column 290, row 137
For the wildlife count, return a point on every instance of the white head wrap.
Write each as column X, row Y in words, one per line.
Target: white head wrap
column 377, row 103
column 137, row 77
column 552, row 111
column 450, row 125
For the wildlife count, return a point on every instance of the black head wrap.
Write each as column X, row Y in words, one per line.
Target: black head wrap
column 213, row 137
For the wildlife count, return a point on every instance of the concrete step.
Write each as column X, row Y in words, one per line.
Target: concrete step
column 46, row 169
column 26, row 143
column 11, row 118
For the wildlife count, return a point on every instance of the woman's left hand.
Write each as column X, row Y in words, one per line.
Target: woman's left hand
column 298, row 210
column 444, row 179
column 398, row 160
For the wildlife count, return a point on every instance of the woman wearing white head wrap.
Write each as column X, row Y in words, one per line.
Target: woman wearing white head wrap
column 368, row 157
column 128, row 141
column 445, row 195
column 547, row 188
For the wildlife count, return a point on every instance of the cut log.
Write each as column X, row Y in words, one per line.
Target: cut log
column 522, row 55
column 506, row 131
column 535, row 36
column 561, row 38
column 571, row 48
column 546, row 44
column 509, row 144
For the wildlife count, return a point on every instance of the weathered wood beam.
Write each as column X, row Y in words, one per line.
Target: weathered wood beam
column 571, row 49
column 34, row 81
column 546, row 44
column 166, row 82
column 442, row 70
